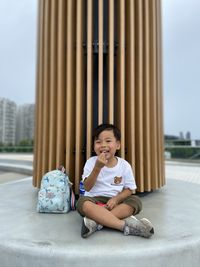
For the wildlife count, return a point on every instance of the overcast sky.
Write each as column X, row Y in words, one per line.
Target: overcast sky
column 18, row 49
column 181, row 59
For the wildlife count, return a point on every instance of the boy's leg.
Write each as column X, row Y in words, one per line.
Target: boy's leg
column 122, row 211
column 132, row 205
column 102, row 216
column 130, row 226
column 98, row 214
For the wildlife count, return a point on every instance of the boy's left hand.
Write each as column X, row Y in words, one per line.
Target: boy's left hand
column 112, row 203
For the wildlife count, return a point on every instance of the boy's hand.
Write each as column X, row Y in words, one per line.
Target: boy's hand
column 112, row 203
column 101, row 161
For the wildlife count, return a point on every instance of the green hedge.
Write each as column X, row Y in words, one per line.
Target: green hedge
column 184, row 152
column 11, row 149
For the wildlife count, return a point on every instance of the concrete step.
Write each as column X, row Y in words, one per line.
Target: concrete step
column 28, row 238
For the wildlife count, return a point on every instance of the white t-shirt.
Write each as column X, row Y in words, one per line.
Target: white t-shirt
column 110, row 181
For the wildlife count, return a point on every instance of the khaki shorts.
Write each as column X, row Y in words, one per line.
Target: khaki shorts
column 132, row 201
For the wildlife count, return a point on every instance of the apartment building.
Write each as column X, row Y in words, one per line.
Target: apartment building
column 25, row 122
column 7, row 121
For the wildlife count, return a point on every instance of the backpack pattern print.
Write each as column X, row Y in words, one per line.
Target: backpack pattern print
column 55, row 193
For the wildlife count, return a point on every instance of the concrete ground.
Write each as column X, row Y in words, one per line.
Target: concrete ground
column 28, row 238
column 10, row 176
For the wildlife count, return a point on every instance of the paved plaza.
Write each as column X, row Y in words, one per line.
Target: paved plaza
column 185, row 171
column 28, row 238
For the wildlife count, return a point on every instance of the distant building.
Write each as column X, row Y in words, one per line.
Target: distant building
column 197, row 143
column 181, row 136
column 188, row 136
column 7, row 121
column 25, row 123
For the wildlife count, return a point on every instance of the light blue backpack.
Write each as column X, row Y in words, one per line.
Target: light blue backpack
column 56, row 194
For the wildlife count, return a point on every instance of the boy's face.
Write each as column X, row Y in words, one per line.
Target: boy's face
column 106, row 143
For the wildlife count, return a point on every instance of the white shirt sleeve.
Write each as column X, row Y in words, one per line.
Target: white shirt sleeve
column 129, row 177
column 89, row 165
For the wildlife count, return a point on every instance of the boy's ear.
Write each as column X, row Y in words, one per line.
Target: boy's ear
column 118, row 145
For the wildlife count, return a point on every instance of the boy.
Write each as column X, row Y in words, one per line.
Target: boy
column 109, row 186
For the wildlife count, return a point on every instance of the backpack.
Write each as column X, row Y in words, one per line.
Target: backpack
column 56, row 194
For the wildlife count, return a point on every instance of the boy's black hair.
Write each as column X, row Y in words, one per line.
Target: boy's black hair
column 107, row 127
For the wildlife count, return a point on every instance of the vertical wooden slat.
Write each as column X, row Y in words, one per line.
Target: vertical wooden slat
column 153, row 99
column 100, row 56
column 111, row 61
column 147, row 104
column 80, row 99
column 45, row 111
column 161, row 171
column 53, row 86
column 39, row 96
column 121, row 75
column 70, row 90
column 89, row 126
column 130, row 83
column 61, row 93
column 139, row 98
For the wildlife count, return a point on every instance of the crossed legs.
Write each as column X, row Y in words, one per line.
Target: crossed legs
column 111, row 219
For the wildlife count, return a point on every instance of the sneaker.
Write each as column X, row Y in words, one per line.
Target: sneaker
column 142, row 227
column 89, row 227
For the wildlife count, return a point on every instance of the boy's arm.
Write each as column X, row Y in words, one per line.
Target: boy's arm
column 119, row 198
column 90, row 181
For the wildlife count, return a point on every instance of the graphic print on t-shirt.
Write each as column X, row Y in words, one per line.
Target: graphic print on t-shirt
column 117, row 180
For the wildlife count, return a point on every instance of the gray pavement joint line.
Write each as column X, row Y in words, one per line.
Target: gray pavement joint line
column 18, row 181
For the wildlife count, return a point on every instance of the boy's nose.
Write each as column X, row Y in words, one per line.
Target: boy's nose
column 103, row 144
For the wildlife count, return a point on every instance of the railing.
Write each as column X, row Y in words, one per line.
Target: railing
column 182, row 149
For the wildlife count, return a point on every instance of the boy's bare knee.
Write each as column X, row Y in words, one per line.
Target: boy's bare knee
column 122, row 211
column 86, row 205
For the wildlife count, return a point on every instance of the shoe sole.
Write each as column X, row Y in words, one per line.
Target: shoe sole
column 148, row 224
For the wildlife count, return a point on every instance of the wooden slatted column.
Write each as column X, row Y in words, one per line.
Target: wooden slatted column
column 99, row 62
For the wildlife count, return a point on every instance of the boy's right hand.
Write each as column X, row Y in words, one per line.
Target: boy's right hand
column 101, row 161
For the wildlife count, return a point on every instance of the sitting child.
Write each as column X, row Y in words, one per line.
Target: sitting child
column 109, row 184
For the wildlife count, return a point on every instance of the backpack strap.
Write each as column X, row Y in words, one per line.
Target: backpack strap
column 72, row 195
column 62, row 169
column 73, row 200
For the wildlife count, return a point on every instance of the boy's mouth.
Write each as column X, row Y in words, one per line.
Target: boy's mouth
column 104, row 151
